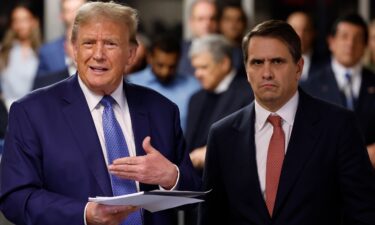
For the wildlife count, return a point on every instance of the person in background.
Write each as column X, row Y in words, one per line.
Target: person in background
column 287, row 158
column 93, row 134
column 224, row 90
column 232, row 22
column 232, row 25
column 161, row 74
column 345, row 81
column 370, row 53
column 202, row 21
column 18, row 53
column 140, row 61
column 56, row 76
column 303, row 24
column 52, row 55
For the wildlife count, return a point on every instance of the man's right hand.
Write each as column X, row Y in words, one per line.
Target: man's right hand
column 98, row 214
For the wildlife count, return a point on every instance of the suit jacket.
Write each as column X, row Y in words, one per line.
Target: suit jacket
column 53, row 160
column 51, row 57
column 326, row 175
column 184, row 64
column 51, row 78
column 238, row 95
column 324, row 85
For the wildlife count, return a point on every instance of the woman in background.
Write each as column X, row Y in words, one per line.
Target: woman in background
column 18, row 53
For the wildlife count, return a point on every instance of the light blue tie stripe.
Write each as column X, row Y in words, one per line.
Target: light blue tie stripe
column 117, row 148
column 350, row 98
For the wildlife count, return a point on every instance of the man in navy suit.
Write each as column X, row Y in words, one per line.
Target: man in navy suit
column 345, row 81
column 52, row 56
column 309, row 168
column 56, row 149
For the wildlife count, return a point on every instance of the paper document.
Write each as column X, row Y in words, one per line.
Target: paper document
column 153, row 201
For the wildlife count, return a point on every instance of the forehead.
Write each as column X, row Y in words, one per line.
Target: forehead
column 349, row 28
column 299, row 19
column 71, row 5
column 232, row 11
column 159, row 54
column 203, row 57
column 102, row 26
column 20, row 12
column 203, row 9
column 267, row 47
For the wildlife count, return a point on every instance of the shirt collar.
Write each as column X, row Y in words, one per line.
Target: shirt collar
column 93, row 99
column 224, row 84
column 287, row 112
column 340, row 71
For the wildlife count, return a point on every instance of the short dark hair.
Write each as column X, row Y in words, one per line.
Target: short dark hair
column 165, row 42
column 278, row 29
column 352, row 18
column 235, row 5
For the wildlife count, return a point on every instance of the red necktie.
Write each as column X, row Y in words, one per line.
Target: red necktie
column 275, row 159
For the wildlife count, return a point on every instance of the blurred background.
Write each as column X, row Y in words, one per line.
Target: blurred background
column 164, row 16
column 157, row 16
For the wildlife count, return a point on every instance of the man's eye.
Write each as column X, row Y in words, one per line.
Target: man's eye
column 111, row 44
column 256, row 62
column 87, row 43
column 277, row 61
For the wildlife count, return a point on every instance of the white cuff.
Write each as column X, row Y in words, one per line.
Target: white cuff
column 175, row 185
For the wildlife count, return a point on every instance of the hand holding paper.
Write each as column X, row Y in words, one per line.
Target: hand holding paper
column 152, row 201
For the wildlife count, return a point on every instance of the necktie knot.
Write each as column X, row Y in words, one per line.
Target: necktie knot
column 107, row 101
column 348, row 77
column 274, row 120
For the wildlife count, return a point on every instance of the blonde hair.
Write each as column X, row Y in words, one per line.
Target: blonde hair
column 109, row 10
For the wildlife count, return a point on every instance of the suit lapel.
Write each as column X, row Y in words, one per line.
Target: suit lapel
column 245, row 143
column 301, row 145
column 138, row 115
column 330, row 88
column 140, row 121
column 79, row 119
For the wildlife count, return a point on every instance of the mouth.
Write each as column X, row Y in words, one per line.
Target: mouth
column 268, row 85
column 98, row 69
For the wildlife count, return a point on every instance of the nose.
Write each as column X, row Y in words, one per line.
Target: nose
column 99, row 52
column 197, row 73
column 267, row 73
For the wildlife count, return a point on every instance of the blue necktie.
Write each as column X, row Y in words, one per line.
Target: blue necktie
column 117, row 148
column 350, row 98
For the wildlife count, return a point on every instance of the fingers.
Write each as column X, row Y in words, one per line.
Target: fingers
column 146, row 144
column 105, row 214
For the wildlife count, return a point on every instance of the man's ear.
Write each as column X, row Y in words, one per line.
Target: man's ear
column 300, row 64
column 132, row 53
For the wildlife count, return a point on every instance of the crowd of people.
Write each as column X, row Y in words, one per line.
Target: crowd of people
column 280, row 133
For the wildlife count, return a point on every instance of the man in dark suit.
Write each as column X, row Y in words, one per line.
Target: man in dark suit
column 224, row 90
column 52, row 56
column 66, row 71
column 303, row 24
column 60, row 144
column 202, row 21
column 287, row 158
column 344, row 81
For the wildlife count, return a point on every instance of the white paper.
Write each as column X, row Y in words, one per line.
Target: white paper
column 152, row 201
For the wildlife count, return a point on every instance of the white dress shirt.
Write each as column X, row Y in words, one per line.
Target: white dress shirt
column 306, row 65
column 225, row 83
column 356, row 77
column 264, row 130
